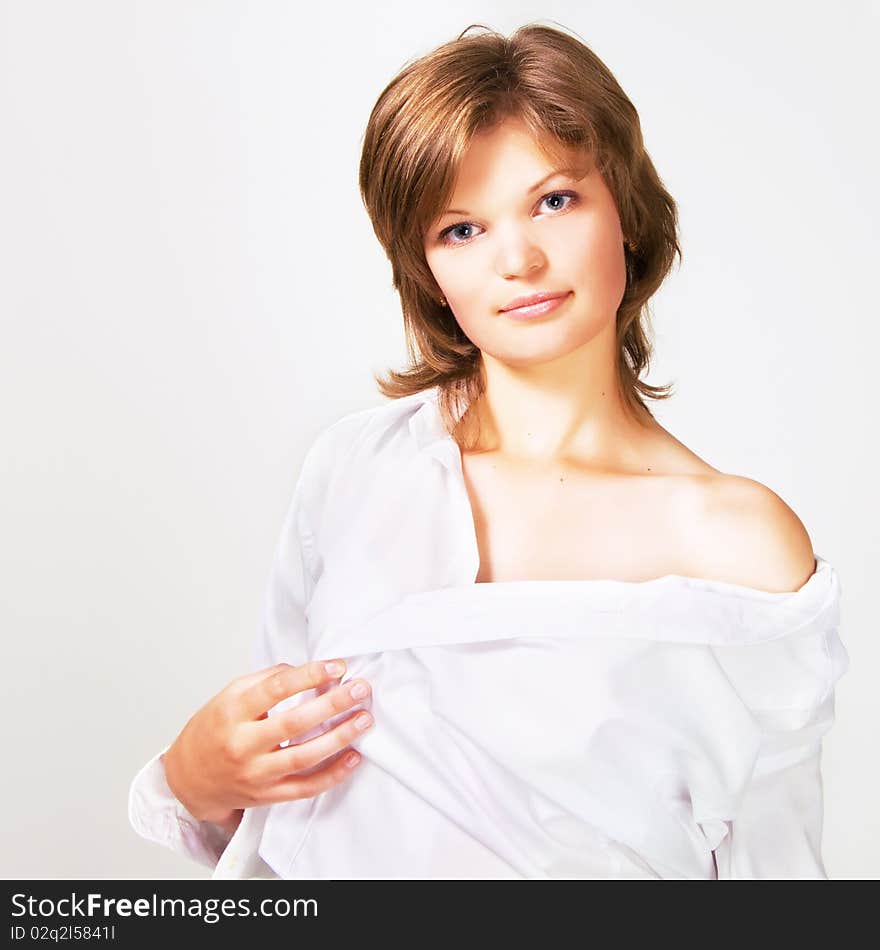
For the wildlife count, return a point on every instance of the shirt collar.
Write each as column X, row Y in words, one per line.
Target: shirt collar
column 426, row 427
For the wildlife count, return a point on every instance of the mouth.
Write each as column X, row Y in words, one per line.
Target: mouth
column 537, row 306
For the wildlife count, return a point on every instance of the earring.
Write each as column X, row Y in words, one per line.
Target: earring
column 442, row 301
column 631, row 245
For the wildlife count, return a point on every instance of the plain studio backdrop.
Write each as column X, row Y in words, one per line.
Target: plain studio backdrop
column 191, row 290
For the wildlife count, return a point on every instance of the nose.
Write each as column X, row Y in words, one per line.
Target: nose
column 519, row 257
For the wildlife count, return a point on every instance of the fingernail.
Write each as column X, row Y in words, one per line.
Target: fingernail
column 359, row 690
column 335, row 668
column 362, row 722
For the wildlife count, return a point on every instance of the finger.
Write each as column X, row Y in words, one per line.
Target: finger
column 307, row 786
column 279, row 684
column 292, row 724
column 331, row 682
column 242, row 683
column 284, row 762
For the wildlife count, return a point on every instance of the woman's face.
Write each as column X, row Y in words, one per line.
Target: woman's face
column 512, row 240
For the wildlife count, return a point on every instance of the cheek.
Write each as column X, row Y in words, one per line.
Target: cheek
column 459, row 272
column 462, row 279
column 597, row 258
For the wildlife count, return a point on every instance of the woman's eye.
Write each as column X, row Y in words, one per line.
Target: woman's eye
column 455, row 229
column 447, row 235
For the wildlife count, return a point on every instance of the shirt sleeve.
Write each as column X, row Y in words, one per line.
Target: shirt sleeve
column 776, row 832
column 154, row 812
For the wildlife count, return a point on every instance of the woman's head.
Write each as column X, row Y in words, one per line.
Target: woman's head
column 471, row 126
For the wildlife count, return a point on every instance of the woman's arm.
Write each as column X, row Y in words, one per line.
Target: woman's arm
column 154, row 811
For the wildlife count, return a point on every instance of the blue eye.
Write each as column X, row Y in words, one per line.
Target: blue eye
column 445, row 235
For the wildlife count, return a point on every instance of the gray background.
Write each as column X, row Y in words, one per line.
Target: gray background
column 190, row 291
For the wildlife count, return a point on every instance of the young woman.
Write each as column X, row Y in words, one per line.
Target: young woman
column 587, row 652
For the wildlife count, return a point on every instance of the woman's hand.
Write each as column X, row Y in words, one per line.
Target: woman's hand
column 229, row 756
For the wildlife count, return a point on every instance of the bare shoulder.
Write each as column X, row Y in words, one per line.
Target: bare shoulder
column 746, row 534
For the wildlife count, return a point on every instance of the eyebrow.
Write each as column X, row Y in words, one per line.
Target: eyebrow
column 569, row 171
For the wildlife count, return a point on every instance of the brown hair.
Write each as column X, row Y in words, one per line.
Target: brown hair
column 415, row 140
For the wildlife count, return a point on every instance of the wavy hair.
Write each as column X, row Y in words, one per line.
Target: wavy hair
column 414, row 143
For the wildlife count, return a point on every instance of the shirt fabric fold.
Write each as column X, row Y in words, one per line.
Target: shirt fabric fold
column 665, row 729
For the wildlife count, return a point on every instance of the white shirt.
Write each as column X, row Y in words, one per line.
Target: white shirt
column 669, row 728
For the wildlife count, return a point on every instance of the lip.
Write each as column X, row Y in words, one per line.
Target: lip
column 528, row 299
column 535, row 305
